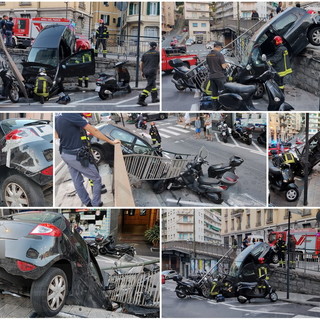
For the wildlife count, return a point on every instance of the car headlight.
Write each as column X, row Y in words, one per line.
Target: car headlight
column 276, row 99
column 285, row 181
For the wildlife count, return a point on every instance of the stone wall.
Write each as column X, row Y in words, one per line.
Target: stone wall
column 300, row 282
column 306, row 71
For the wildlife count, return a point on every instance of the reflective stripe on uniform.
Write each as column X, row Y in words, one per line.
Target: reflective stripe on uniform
column 154, row 89
column 145, row 92
column 214, row 98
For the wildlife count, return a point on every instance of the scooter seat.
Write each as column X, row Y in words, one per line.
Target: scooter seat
column 240, row 88
column 249, row 284
column 208, row 181
column 275, row 172
column 122, row 246
column 219, row 166
column 183, row 69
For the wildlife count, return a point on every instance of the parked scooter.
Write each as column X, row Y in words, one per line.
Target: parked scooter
column 10, row 89
column 262, row 138
column 248, row 290
column 224, row 131
column 108, row 84
column 282, row 179
column 242, row 133
column 238, row 97
column 182, row 78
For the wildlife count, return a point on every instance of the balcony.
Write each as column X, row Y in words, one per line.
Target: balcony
column 237, row 212
column 269, row 220
column 23, row 4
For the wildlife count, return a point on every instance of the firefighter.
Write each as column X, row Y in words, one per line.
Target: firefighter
column 83, row 45
column 155, row 135
column 149, row 67
column 102, row 34
column 43, row 85
column 262, row 273
column 280, row 61
column 292, row 252
column 281, row 249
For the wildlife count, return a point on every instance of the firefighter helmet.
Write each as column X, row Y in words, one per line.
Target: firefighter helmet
column 277, row 40
column 82, row 44
column 101, row 21
column 42, row 72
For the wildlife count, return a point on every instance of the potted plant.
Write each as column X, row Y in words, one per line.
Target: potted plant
column 153, row 235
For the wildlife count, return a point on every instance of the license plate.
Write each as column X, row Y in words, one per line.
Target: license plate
column 250, row 135
column 97, row 88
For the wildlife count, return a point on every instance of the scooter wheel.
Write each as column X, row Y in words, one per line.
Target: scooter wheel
column 249, row 141
column 129, row 89
column 179, row 294
column 292, row 195
column 241, row 300
column 180, row 88
column 103, row 96
column 225, row 139
column 94, row 251
column 273, row 297
column 102, row 251
column 160, row 186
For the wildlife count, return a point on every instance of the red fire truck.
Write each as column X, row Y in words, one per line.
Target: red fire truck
column 307, row 241
column 25, row 30
column 172, row 53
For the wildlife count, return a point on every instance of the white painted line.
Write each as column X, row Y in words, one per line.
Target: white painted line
column 178, row 129
column 195, row 107
column 216, row 135
column 199, row 204
column 170, row 132
column 197, row 94
column 163, row 135
column 127, row 100
column 315, row 309
column 182, row 126
column 86, row 99
column 257, row 146
column 234, row 140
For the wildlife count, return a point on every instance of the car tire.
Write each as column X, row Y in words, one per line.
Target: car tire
column 162, row 116
column 14, row 93
column 103, row 96
column 53, row 281
column 18, row 191
column 97, row 154
column 292, row 195
column 314, row 36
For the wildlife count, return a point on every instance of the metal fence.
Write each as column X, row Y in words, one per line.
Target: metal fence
column 127, row 45
column 307, row 260
column 141, row 289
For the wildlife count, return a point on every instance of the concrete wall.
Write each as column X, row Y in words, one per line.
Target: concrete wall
column 299, row 281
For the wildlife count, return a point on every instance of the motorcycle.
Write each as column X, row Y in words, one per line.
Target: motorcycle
column 238, row 97
column 143, row 124
column 262, row 138
column 248, row 290
column 108, row 84
column 224, row 131
column 190, row 178
column 10, row 89
column 243, row 133
column 183, row 76
column 282, row 179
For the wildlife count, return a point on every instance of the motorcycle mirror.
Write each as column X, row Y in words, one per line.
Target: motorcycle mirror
column 264, row 57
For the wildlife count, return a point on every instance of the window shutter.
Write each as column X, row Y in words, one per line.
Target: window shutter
column 158, row 9
column 148, row 8
column 131, row 9
column 108, row 20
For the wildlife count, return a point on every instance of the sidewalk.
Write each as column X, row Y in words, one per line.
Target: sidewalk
column 299, row 298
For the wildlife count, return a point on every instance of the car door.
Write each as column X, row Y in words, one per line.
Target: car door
column 75, row 65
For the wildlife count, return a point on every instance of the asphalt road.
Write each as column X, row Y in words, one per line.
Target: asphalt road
column 199, row 307
column 83, row 101
column 249, row 191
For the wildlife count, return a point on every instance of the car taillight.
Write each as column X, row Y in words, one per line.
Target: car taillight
column 46, row 229
column 16, row 134
column 48, row 171
column 230, row 179
column 25, row 266
column 224, row 187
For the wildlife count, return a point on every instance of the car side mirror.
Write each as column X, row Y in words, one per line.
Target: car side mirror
column 264, row 57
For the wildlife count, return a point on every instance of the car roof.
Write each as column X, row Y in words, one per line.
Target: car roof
column 50, row 37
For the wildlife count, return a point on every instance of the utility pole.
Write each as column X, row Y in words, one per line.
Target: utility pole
column 288, row 255
column 138, row 48
column 306, row 163
column 194, row 233
column 238, row 20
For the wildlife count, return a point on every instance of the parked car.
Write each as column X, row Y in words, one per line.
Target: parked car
column 130, row 143
column 295, row 25
column 169, row 274
column 189, row 42
column 210, row 45
column 26, row 162
column 174, row 42
column 151, row 116
column 42, row 257
column 199, row 41
column 108, row 117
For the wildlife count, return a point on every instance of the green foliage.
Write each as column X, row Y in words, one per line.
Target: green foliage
column 153, row 234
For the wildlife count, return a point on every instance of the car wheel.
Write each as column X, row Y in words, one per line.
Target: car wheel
column 162, row 116
column 292, row 194
column 14, row 93
column 103, row 96
column 314, row 36
column 49, row 293
column 97, row 154
column 18, row 191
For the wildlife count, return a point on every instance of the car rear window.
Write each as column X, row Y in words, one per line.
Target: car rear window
column 12, row 124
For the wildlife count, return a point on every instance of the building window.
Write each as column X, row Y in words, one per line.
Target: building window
column 153, row 8
column 151, row 32
column 133, row 9
column 258, row 224
column 232, row 224
column 195, row 25
column 106, row 19
column 248, row 221
column 25, row 15
column 2, row 3
column 203, row 25
column 269, row 216
column 114, row 20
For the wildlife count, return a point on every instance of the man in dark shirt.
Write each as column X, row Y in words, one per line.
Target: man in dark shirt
column 216, row 65
column 71, row 128
column 9, row 29
column 149, row 67
column 3, row 25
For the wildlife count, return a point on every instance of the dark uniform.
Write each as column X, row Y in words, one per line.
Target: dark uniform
column 42, row 87
column 85, row 58
column 150, row 60
column 281, row 63
column 217, row 76
column 155, row 135
column 73, row 142
column 102, row 35
column 9, row 30
column 292, row 252
column 281, row 248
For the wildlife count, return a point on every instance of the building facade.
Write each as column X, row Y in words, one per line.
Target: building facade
column 167, row 15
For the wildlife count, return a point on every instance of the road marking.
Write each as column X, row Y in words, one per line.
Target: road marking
column 197, row 94
column 86, row 99
column 234, row 140
column 182, row 126
column 257, row 146
column 195, row 107
column 170, row 132
column 200, row 204
column 315, row 309
column 216, row 135
column 181, row 130
column 127, row 100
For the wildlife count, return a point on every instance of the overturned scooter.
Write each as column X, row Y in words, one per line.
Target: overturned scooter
column 238, row 97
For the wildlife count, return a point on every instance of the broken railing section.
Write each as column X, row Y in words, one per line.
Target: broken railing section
column 122, row 189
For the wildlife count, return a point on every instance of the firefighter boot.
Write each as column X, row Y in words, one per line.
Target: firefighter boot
column 154, row 96
column 142, row 99
column 86, row 83
column 79, row 83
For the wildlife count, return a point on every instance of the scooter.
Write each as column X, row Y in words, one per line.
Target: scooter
column 262, row 138
column 282, row 179
column 248, row 290
column 108, row 84
column 210, row 188
column 110, row 248
column 93, row 247
column 182, row 77
column 224, row 131
column 242, row 133
column 238, row 97
column 9, row 86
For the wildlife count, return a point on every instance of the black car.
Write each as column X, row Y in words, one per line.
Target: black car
column 151, row 116
column 26, row 162
column 54, row 49
column 42, row 257
column 130, row 143
column 295, row 25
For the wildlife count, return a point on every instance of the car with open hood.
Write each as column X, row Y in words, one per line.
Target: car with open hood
column 42, row 257
column 26, row 162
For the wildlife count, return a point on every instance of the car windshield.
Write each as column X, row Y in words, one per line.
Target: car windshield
column 12, row 124
column 44, row 55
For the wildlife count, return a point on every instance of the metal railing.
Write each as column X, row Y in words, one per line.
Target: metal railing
column 141, row 289
column 307, row 260
column 127, row 45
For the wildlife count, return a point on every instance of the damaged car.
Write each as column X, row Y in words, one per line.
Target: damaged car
column 43, row 258
column 26, row 162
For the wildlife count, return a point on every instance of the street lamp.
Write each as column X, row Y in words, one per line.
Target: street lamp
column 66, row 2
